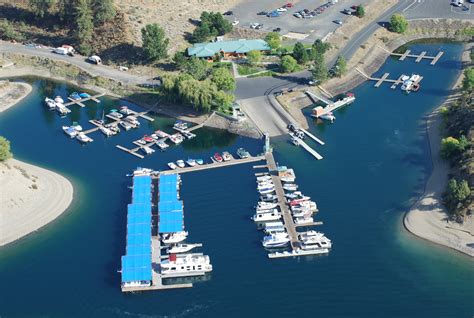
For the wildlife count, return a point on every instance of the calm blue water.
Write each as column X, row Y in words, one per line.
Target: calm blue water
column 375, row 162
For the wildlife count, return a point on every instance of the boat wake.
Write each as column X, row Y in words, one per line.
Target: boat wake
column 191, row 310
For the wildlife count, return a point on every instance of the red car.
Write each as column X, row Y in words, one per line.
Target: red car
column 288, row 5
column 218, row 157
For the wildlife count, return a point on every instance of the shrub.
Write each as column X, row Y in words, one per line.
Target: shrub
column 288, row 64
column 398, row 23
column 5, row 152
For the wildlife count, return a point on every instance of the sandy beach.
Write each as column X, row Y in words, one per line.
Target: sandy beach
column 427, row 218
column 31, row 198
column 11, row 93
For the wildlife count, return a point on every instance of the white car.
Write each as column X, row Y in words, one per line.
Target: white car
column 235, row 22
column 281, row 9
column 254, row 25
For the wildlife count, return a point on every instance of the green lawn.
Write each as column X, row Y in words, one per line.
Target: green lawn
column 246, row 69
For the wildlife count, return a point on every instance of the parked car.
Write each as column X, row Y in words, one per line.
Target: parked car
column 298, row 15
column 273, row 14
column 235, row 22
column 281, row 9
column 94, row 59
column 262, row 13
column 338, row 22
column 228, row 13
column 259, row 26
column 277, row 30
column 347, row 11
column 288, row 5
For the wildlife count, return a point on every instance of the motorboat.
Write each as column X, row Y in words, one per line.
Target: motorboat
column 265, row 210
column 148, row 150
column 267, row 186
column 299, row 200
column 50, row 103
column 126, row 125
column 295, row 141
column 113, row 127
column 161, row 134
column 316, row 242
column 84, row 95
column 62, row 110
column 173, row 238
column 290, row 187
column 97, row 122
column 191, row 162
column 76, row 126
column 106, row 131
column 276, row 240
column 269, row 198
column 293, row 195
column 269, row 205
column 172, row 165
column 176, row 138
column 75, row 96
column 125, row 110
column 302, row 214
column 132, row 120
column 114, row 113
column 264, row 178
column 273, row 227
column 70, row 131
column 180, row 125
column 58, row 99
column 162, row 145
column 217, row 157
column 268, row 191
column 181, row 248
column 407, row 85
column 199, row 161
column 404, row 77
column 226, row 156
column 147, row 138
column 185, row 266
column 415, row 77
column 141, row 142
column 242, row 153
column 328, row 116
column 180, row 163
column 140, row 172
column 303, row 220
column 264, row 217
column 309, row 234
column 188, row 134
column 84, row 138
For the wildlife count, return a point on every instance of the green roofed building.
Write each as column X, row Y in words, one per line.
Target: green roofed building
column 236, row 48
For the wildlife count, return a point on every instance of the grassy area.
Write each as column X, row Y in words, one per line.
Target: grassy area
column 267, row 73
column 227, row 65
column 246, row 69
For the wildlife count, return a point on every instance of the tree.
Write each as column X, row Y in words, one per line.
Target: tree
column 223, row 79
column 84, row 26
column 458, row 191
column 468, row 81
column 180, row 59
column 319, row 71
column 5, row 152
column 273, row 39
column 41, row 7
column 360, row 11
column 201, row 33
column 253, row 57
column 340, row 67
column 320, row 47
column 451, row 146
column 155, row 44
column 104, row 11
column 398, row 23
column 65, row 9
column 211, row 24
column 300, row 54
column 197, row 68
column 288, row 64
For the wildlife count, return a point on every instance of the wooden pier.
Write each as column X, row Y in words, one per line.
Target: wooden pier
column 380, row 80
column 214, row 165
column 418, row 58
column 309, row 149
column 80, row 101
column 331, row 106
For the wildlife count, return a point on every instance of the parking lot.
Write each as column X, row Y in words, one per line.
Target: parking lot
column 306, row 29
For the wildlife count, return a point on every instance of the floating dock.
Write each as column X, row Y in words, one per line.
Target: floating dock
column 308, row 148
column 330, row 105
column 418, row 57
column 380, row 80
column 80, row 102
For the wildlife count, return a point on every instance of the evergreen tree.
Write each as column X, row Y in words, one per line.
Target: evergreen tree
column 223, row 79
column 300, row 53
column 84, row 26
column 5, row 152
column 398, row 23
column 41, row 7
column 319, row 71
column 104, row 11
column 65, row 9
column 360, row 11
column 340, row 67
column 155, row 44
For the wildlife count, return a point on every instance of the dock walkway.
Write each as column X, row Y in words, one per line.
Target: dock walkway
column 214, row 165
column 309, row 149
column 418, row 57
column 80, row 101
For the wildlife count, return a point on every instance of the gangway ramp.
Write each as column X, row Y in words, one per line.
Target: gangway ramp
column 310, row 135
column 317, row 98
column 309, row 149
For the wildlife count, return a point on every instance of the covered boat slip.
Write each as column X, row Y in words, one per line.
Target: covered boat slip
column 136, row 264
column 170, row 209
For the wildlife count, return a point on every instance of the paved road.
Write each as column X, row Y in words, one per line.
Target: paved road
column 77, row 60
column 422, row 9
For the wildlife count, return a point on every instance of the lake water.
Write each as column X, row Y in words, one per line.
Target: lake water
column 376, row 159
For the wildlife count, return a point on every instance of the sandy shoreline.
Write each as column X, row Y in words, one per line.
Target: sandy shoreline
column 31, row 198
column 12, row 94
column 427, row 218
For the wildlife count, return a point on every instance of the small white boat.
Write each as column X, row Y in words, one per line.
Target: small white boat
column 172, row 165
column 172, row 238
column 276, row 240
column 161, row 134
column 162, row 145
column 226, row 156
column 180, row 163
column 189, row 265
column 58, row 99
column 329, row 116
column 407, row 85
column 199, row 161
column 268, row 205
column 268, row 191
column 61, row 109
column 290, row 187
column 124, row 110
column 148, row 150
column 405, row 77
column 264, row 178
column 70, row 131
column 106, row 131
column 295, row 141
column 415, row 77
column 264, row 217
column 191, row 162
column 304, row 220
column 132, row 120
column 50, row 103
column 84, row 138
column 126, row 125
column 182, row 248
